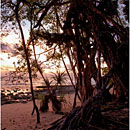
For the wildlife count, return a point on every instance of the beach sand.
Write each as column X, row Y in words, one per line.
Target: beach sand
column 18, row 116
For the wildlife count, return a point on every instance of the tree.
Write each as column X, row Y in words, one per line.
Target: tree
column 90, row 26
column 59, row 77
column 16, row 10
column 81, row 35
column 87, row 28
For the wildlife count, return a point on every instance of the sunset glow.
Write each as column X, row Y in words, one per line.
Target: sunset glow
column 7, row 60
column 7, row 44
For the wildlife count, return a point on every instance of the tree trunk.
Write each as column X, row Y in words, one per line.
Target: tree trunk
column 28, row 62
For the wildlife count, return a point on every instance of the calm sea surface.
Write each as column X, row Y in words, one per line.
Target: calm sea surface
column 5, row 85
column 10, row 86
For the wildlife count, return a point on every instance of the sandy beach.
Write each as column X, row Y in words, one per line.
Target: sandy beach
column 18, row 116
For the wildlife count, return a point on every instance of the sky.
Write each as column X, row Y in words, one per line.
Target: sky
column 7, row 44
column 7, row 47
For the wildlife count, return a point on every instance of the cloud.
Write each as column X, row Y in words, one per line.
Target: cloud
column 5, row 47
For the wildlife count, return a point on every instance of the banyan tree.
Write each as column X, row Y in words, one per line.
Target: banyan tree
column 87, row 32
column 91, row 30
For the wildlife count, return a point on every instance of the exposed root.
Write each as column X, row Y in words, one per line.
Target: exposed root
column 90, row 116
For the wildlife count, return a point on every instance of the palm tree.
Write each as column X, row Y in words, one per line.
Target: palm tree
column 47, row 83
column 59, row 77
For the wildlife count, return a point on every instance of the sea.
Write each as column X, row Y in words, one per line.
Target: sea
column 8, row 87
column 38, row 85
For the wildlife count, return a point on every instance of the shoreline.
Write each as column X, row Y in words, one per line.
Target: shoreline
column 19, row 95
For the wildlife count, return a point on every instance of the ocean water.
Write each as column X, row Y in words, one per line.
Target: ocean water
column 22, row 85
column 5, row 85
column 22, row 88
